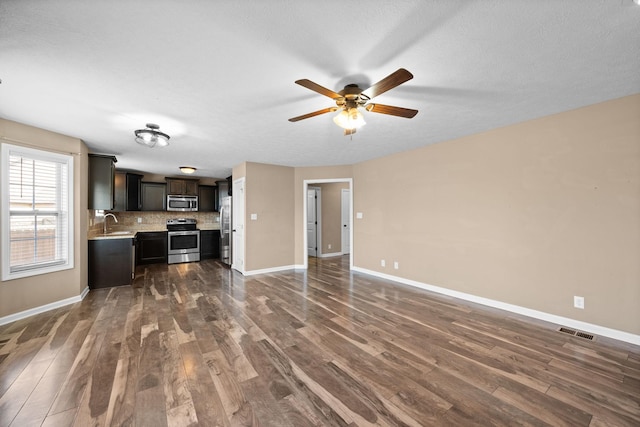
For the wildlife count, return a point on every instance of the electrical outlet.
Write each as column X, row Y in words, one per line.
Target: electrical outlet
column 139, row 220
column 329, row 246
column 382, row 263
column 578, row 302
column 396, row 265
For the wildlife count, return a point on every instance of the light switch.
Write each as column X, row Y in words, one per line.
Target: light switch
column 359, row 215
column 254, row 217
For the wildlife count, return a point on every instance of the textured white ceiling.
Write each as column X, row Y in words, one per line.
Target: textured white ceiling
column 218, row 76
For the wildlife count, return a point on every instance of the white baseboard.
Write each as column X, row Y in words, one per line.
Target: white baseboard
column 559, row 320
column 270, row 270
column 43, row 308
column 330, row 255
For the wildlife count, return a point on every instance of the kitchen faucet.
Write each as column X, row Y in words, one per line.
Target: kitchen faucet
column 104, row 231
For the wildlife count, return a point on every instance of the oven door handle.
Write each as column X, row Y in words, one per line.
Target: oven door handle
column 184, row 233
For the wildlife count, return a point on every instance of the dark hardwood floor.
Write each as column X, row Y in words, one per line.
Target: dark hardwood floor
column 199, row 344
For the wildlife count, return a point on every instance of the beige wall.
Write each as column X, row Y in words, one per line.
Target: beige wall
column 276, row 194
column 530, row 214
column 332, row 215
column 269, row 195
column 32, row 292
column 239, row 171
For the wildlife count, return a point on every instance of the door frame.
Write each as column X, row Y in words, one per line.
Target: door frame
column 318, row 191
column 234, row 211
column 305, row 185
column 350, row 215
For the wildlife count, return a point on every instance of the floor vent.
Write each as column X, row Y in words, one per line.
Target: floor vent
column 584, row 335
column 576, row 333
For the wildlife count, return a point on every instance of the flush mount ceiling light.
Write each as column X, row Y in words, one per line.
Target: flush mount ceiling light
column 187, row 169
column 151, row 136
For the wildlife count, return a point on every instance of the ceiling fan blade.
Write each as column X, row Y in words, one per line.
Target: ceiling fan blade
column 391, row 110
column 315, row 113
column 317, row 88
column 392, row 80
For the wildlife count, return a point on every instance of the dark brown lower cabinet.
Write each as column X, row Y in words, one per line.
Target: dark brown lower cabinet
column 151, row 247
column 209, row 244
column 110, row 262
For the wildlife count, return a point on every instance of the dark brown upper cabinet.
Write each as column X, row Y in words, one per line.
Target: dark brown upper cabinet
column 182, row 187
column 101, row 181
column 154, row 196
column 127, row 192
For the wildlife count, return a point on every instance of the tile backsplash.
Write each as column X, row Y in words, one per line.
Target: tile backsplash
column 150, row 221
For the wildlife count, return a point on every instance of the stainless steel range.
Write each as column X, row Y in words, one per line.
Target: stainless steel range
column 184, row 240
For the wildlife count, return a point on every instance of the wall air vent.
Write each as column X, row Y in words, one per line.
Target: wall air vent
column 576, row 333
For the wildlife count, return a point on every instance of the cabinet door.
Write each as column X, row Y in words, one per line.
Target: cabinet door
column 127, row 192
column 207, row 199
column 209, row 244
column 175, row 186
column 101, row 181
column 151, row 247
column 154, row 196
column 133, row 192
column 110, row 262
column 191, row 187
column 120, row 192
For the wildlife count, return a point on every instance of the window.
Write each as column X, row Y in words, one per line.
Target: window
column 37, row 212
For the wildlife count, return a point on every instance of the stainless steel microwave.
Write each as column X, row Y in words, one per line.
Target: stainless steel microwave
column 182, row 203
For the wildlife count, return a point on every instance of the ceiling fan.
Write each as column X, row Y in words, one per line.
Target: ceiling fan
column 352, row 97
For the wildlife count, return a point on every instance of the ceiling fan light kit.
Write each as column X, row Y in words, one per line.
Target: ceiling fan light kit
column 151, row 136
column 350, row 119
column 352, row 97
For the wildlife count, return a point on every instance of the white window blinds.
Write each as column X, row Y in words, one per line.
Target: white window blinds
column 37, row 211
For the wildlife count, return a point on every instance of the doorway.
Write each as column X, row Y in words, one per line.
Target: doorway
column 348, row 243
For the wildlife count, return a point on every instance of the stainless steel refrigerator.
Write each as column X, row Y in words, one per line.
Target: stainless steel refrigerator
column 225, row 230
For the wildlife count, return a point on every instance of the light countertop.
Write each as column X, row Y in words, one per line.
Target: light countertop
column 130, row 234
column 112, row 235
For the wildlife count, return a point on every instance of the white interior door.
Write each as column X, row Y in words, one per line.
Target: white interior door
column 237, row 225
column 312, row 221
column 346, row 221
